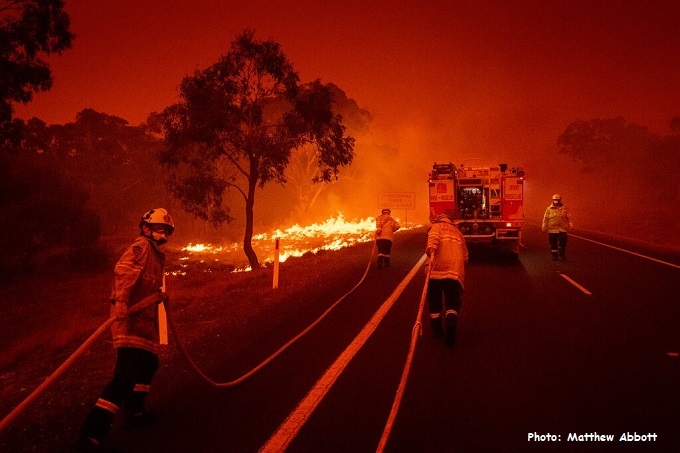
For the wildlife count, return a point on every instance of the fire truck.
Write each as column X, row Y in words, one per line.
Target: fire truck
column 484, row 202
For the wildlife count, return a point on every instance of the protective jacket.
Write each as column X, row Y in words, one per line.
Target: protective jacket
column 450, row 251
column 557, row 219
column 138, row 274
column 385, row 227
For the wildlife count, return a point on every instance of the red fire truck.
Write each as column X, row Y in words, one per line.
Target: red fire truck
column 485, row 202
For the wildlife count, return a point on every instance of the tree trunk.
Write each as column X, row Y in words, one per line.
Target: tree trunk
column 248, row 237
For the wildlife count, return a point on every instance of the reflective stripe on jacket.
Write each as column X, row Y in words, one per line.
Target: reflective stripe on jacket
column 450, row 251
column 557, row 219
column 138, row 274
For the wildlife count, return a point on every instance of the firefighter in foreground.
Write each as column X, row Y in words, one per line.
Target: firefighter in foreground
column 557, row 223
column 138, row 274
column 385, row 227
column 448, row 257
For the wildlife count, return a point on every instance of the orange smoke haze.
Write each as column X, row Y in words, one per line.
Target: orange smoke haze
column 443, row 80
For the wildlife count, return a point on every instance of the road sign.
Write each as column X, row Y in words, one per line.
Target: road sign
column 397, row 200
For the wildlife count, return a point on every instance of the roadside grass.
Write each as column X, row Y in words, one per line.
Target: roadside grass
column 44, row 320
column 46, row 314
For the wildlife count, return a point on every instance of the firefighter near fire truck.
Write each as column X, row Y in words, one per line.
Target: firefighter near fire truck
column 486, row 203
column 448, row 257
column 557, row 223
column 385, row 227
column 138, row 279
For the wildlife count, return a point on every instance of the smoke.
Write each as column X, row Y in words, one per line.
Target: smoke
column 442, row 81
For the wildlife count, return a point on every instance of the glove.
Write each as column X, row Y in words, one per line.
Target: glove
column 378, row 232
column 163, row 297
column 429, row 251
column 120, row 311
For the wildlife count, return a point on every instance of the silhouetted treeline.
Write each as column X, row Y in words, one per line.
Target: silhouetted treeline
column 627, row 154
column 65, row 186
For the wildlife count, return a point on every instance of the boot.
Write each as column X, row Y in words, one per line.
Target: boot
column 554, row 256
column 437, row 328
column 380, row 262
column 563, row 254
column 88, row 445
column 387, row 262
column 95, row 429
column 138, row 419
column 136, row 415
column 451, row 326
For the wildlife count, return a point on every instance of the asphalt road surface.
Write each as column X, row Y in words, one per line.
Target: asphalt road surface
column 579, row 355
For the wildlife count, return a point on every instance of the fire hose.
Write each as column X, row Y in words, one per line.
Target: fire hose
column 155, row 299
column 415, row 333
column 234, row 383
column 9, row 418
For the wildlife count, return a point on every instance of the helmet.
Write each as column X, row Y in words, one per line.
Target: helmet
column 557, row 197
column 386, row 211
column 441, row 217
column 158, row 216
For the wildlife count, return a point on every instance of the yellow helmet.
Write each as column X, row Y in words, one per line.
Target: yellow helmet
column 557, row 197
column 158, row 216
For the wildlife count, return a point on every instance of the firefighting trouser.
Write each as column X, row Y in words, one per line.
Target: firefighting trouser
column 443, row 295
column 384, row 250
column 131, row 383
column 558, row 244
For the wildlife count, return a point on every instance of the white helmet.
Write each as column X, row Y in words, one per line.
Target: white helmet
column 557, row 197
column 158, row 216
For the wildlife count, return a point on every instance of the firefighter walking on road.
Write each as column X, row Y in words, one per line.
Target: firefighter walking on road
column 448, row 257
column 385, row 226
column 138, row 274
column 557, row 223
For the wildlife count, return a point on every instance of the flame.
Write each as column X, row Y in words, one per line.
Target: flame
column 334, row 233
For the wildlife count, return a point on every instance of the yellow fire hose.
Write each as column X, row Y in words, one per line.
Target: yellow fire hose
column 417, row 331
column 9, row 418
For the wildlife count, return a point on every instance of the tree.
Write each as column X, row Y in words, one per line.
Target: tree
column 236, row 125
column 662, row 166
column 303, row 174
column 603, row 141
column 629, row 149
column 117, row 164
column 675, row 124
column 44, row 213
column 29, row 31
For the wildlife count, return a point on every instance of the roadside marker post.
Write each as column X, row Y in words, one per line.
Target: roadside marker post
column 275, row 284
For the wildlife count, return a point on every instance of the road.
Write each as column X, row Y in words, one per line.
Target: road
column 551, row 356
column 535, row 354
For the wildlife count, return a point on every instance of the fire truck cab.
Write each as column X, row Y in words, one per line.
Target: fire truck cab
column 484, row 202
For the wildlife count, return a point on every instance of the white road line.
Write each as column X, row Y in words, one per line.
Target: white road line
column 285, row 434
column 627, row 251
column 576, row 284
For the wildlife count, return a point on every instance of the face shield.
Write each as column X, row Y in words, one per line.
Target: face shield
column 159, row 234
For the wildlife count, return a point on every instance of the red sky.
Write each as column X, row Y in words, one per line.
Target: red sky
column 490, row 78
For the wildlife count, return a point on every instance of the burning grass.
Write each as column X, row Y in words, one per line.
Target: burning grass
column 333, row 234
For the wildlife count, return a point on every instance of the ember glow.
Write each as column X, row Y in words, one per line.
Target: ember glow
column 333, row 234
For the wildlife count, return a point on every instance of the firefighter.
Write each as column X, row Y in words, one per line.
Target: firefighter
column 557, row 223
column 448, row 257
column 138, row 274
column 385, row 227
